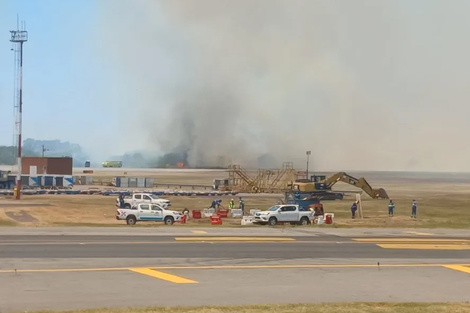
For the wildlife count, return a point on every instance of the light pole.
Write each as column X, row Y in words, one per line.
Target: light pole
column 19, row 37
column 308, row 157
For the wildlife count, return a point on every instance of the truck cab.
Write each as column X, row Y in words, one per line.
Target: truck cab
column 290, row 213
column 136, row 198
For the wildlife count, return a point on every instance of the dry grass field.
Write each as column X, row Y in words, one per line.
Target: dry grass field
column 303, row 308
column 440, row 204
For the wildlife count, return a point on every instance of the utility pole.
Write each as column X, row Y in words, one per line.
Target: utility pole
column 308, row 157
column 18, row 37
column 44, row 149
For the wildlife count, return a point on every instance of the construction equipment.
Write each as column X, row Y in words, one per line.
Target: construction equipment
column 321, row 184
column 286, row 180
column 361, row 183
column 112, row 164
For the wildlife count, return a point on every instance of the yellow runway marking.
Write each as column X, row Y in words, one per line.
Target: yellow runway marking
column 249, row 239
column 420, row 234
column 424, row 246
column 199, row 232
column 163, row 276
column 461, row 268
column 286, row 266
column 418, row 243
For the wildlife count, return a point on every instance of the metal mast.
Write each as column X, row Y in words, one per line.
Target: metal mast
column 18, row 37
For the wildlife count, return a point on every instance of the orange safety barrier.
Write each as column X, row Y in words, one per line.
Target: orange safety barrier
column 197, row 214
column 216, row 220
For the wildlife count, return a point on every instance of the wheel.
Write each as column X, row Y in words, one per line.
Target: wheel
column 272, row 221
column 127, row 206
column 304, row 221
column 131, row 220
column 169, row 220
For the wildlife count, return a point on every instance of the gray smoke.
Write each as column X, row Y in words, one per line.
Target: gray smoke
column 363, row 84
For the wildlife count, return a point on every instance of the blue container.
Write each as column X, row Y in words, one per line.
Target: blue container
column 48, row 181
column 59, row 181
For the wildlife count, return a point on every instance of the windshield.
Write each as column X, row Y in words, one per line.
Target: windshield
column 273, row 208
column 153, row 196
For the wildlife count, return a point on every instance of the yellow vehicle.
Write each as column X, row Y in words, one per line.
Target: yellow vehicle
column 324, row 184
column 112, row 164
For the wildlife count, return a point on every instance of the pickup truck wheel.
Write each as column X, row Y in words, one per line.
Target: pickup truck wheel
column 169, row 220
column 304, row 221
column 127, row 206
column 131, row 220
column 272, row 221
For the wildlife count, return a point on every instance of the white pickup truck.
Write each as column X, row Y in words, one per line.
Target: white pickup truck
column 288, row 213
column 147, row 212
column 136, row 198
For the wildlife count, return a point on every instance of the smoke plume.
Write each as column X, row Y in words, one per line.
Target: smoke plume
column 362, row 84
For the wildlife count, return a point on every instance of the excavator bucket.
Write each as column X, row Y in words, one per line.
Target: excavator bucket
column 380, row 193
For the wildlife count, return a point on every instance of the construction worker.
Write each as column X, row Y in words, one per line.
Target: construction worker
column 213, row 204
column 241, row 205
column 121, row 200
column 231, row 205
column 354, row 209
column 414, row 208
column 391, row 207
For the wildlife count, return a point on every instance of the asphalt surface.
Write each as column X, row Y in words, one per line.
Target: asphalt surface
column 72, row 268
column 168, row 247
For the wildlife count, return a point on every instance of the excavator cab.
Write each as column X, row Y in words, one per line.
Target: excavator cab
column 317, row 178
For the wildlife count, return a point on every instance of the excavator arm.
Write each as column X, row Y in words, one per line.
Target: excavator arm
column 361, row 183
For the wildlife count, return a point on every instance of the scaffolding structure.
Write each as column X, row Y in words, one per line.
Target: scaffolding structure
column 266, row 181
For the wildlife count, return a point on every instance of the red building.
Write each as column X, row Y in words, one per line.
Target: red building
column 49, row 166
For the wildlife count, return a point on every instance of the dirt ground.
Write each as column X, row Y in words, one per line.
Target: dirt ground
column 302, row 308
column 441, row 203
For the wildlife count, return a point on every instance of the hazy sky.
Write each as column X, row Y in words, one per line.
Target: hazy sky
column 364, row 85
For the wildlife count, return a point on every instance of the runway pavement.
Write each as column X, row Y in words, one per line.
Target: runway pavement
column 98, row 267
